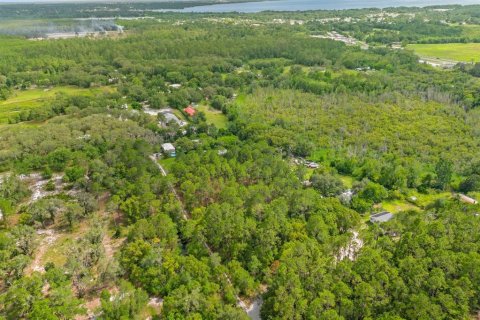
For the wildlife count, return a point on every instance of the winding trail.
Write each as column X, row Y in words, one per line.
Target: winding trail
column 49, row 238
column 185, row 215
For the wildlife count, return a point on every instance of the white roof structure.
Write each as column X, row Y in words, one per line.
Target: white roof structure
column 168, row 147
column 467, row 199
column 381, row 217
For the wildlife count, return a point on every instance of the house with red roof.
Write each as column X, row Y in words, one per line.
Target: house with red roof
column 190, row 111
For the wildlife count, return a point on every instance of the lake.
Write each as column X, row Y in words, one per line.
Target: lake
column 302, row 5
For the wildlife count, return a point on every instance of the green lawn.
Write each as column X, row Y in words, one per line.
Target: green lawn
column 179, row 114
column 214, row 117
column 426, row 199
column 167, row 163
column 422, row 201
column 347, row 181
column 309, row 173
column 240, row 100
column 466, row 52
column 395, row 206
column 24, row 100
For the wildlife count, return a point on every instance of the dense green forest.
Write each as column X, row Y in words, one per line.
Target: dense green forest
column 287, row 143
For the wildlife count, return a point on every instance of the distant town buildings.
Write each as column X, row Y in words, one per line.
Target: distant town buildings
column 350, row 41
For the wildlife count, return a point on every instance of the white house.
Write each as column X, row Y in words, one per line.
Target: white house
column 168, row 149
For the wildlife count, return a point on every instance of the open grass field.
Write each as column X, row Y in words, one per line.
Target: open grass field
column 26, row 100
column 395, row 206
column 179, row 114
column 167, row 163
column 466, row 52
column 214, row 117
column 422, row 201
column 58, row 251
column 347, row 181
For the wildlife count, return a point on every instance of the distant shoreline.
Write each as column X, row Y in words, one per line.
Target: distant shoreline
column 50, row 9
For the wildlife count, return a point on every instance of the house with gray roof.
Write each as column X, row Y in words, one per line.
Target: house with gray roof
column 381, row 217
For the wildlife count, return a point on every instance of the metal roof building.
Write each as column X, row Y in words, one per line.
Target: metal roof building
column 381, row 217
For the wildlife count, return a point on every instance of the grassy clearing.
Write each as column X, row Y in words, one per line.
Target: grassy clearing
column 26, row 100
column 347, row 181
column 241, row 98
column 466, row 52
column 215, row 117
column 308, row 173
column 421, row 202
column 395, row 206
column 425, row 199
column 179, row 114
column 475, row 195
column 37, row 23
column 167, row 163
column 287, row 69
column 57, row 253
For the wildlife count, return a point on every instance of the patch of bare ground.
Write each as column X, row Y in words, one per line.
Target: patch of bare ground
column 36, row 183
column 47, row 239
column 111, row 245
column 155, row 304
column 90, row 306
column 350, row 250
column 93, row 303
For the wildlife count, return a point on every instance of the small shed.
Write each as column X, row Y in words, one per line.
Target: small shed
column 312, row 165
column 381, row 217
column 169, row 149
